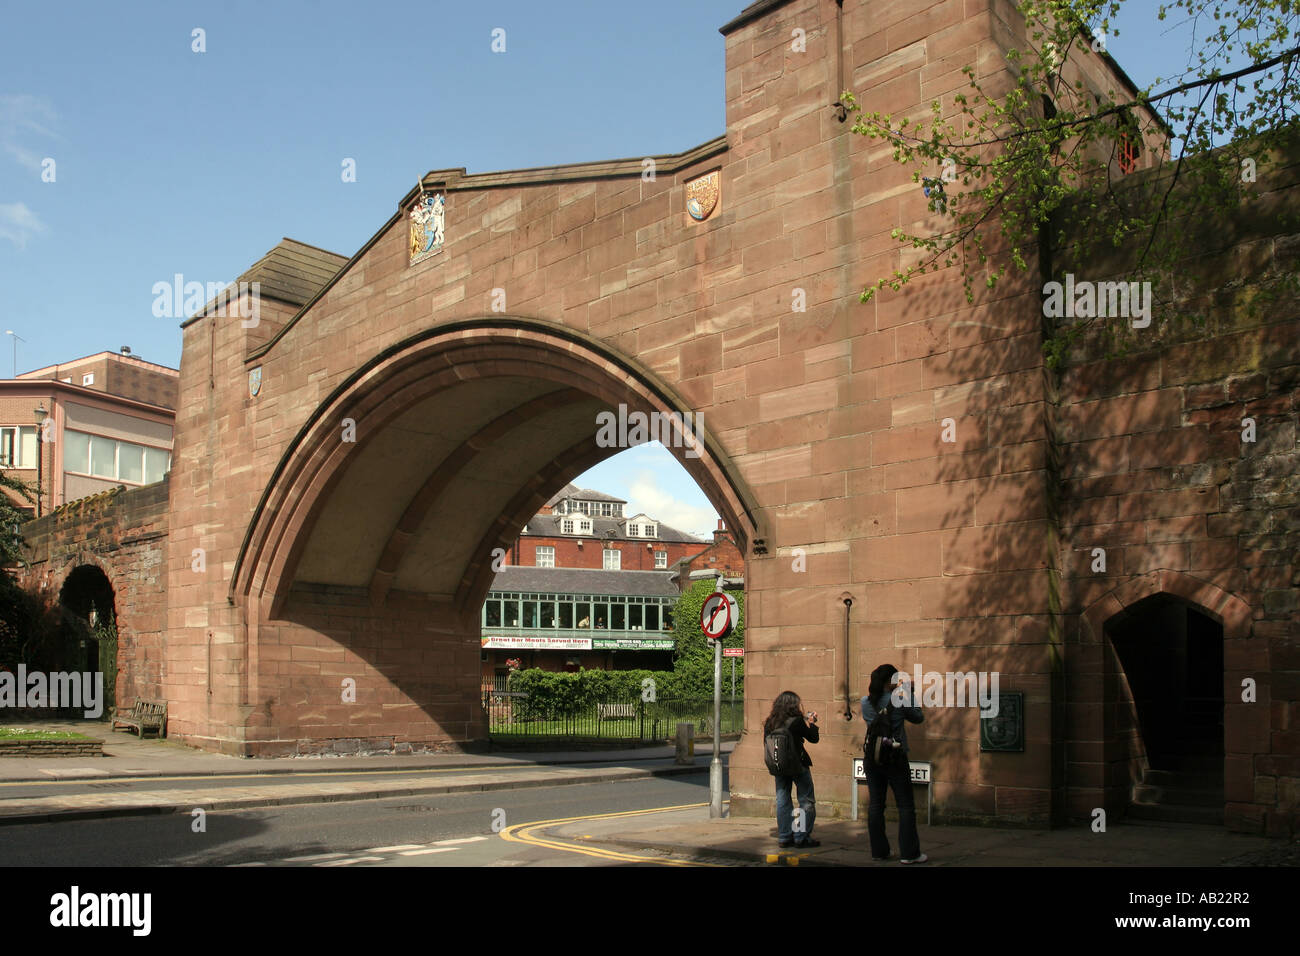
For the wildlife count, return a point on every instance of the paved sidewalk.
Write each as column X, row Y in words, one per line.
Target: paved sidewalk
column 845, row 843
column 41, row 789
column 127, row 755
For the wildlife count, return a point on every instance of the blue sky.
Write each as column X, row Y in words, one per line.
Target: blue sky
column 168, row 160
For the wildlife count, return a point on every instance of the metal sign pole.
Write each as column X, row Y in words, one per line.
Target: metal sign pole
column 715, row 765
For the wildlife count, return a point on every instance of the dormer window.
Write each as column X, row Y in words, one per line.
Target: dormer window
column 633, row 530
column 650, row 530
column 584, row 526
column 566, row 526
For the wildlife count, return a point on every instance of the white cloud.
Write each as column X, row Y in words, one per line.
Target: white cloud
column 25, row 157
column 24, row 113
column 24, row 118
column 646, row 495
column 18, row 224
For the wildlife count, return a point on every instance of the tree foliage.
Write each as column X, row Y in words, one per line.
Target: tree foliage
column 693, row 655
column 1035, row 156
column 11, row 521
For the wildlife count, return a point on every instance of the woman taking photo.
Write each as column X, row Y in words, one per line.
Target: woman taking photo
column 787, row 711
column 883, row 680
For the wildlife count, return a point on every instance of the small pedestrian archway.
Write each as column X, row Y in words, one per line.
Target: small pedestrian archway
column 1171, row 643
column 90, row 624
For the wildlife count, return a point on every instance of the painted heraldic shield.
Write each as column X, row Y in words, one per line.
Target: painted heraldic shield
column 702, row 194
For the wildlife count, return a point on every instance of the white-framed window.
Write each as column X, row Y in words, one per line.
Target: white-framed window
column 101, row 457
column 18, row 446
column 545, row 556
column 650, row 530
column 606, row 509
column 613, row 559
column 584, row 526
column 88, row 378
column 661, row 559
column 566, row 526
column 633, row 530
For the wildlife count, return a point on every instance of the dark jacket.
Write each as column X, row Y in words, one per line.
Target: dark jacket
column 898, row 716
column 800, row 730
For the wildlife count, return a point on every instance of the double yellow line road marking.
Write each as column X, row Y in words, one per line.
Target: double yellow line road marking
column 531, row 834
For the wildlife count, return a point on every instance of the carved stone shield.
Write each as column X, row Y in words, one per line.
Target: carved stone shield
column 254, row 381
column 702, row 195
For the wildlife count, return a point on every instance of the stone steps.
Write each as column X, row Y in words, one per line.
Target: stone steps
column 1185, row 789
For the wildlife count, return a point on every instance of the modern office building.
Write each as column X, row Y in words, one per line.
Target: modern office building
column 86, row 426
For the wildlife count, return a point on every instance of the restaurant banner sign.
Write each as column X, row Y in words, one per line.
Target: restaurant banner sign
column 632, row 643
column 540, row 642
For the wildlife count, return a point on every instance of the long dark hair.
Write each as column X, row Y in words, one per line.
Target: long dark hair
column 784, row 707
column 880, row 679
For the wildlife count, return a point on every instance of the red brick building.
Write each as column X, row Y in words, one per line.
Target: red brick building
column 721, row 556
column 579, row 528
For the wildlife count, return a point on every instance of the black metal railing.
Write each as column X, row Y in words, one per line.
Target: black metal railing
column 512, row 714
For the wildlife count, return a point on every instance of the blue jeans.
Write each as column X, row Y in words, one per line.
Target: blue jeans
column 879, row 783
column 785, row 808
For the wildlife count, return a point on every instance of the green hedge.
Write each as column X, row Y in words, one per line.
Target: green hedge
column 554, row 694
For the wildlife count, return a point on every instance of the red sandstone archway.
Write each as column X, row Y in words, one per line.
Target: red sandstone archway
column 506, row 378
column 368, row 559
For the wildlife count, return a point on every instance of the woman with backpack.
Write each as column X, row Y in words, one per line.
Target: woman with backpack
column 886, row 762
column 784, row 733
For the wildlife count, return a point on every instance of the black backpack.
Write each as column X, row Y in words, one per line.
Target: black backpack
column 781, row 752
column 879, row 749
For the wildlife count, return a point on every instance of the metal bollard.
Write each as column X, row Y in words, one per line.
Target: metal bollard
column 686, row 744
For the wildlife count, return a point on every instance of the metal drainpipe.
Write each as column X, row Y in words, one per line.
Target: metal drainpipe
column 848, row 663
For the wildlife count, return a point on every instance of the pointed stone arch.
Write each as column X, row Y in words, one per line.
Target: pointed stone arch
column 1245, row 725
column 573, row 366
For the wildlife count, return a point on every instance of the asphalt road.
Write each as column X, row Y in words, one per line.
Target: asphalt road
column 434, row 830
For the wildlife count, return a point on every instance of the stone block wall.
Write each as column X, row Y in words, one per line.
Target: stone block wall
column 124, row 533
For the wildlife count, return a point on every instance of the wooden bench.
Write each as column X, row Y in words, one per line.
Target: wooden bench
column 144, row 715
column 615, row 711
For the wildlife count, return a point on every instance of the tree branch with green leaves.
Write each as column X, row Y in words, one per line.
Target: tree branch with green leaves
column 1027, row 157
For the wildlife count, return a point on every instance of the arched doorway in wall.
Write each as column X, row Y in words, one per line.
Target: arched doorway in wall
column 1170, row 658
column 90, row 613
